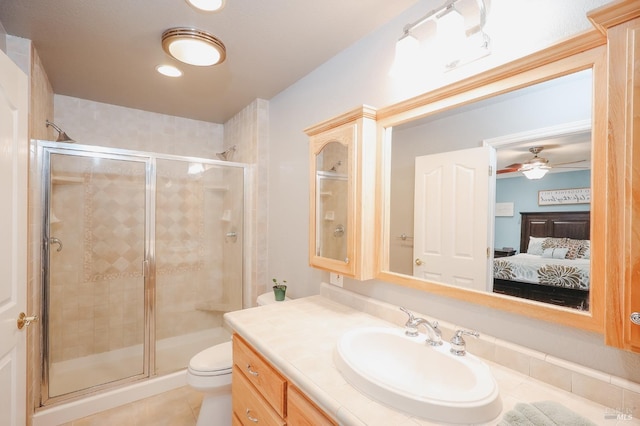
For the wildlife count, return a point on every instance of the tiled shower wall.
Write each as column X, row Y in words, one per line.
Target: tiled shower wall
column 248, row 130
column 95, row 123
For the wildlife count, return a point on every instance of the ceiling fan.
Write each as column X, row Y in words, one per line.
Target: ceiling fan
column 536, row 167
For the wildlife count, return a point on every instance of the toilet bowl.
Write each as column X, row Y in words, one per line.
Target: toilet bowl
column 210, row 372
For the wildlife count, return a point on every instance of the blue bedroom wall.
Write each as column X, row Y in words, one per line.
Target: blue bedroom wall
column 523, row 193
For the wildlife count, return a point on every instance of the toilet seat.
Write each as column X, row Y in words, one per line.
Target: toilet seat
column 214, row 361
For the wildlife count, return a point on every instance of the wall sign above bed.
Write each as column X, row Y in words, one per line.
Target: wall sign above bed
column 564, row 196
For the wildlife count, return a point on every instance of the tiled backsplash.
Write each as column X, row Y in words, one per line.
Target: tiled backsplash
column 610, row 391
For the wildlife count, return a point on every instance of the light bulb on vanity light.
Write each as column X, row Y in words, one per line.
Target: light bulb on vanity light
column 407, row 53
column 452, row 37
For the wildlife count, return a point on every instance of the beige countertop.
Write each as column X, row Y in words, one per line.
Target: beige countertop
column 299, row 337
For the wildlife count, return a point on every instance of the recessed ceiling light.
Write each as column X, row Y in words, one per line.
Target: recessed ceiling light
column 169, row 70
column 207, row 5
column 194, row 47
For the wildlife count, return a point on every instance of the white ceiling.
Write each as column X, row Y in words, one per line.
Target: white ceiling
column 107, row 51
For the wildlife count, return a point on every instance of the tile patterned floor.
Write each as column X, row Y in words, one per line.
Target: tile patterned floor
column 178, row 407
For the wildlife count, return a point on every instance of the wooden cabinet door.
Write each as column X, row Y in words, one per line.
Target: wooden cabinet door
column 356, row 130
column 302, row 412
column 621, row 21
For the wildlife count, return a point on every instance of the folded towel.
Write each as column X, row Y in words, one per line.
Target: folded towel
column 543, row 413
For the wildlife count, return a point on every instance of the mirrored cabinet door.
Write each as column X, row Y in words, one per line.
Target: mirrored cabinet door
column 342, row 174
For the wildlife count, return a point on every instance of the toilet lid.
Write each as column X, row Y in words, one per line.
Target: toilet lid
column 215, row 358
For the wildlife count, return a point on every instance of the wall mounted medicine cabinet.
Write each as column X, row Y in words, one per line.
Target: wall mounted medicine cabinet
column 342, row 172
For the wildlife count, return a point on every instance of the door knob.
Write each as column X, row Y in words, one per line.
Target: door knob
column 23, row 320
column 635, row 318
column 419, row 261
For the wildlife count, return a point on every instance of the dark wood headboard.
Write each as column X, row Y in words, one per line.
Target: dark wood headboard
column 576, row 225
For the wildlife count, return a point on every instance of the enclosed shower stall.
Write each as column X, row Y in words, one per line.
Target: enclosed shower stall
column 141, row 255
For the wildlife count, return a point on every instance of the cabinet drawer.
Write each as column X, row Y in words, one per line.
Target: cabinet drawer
column 260, row 373
column 248, row 405
column 302, row 412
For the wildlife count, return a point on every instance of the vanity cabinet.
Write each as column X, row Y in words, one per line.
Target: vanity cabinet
column 620, row 21
column 302, row 412
column 342, row 192
column 261, row 394
column 258, row 391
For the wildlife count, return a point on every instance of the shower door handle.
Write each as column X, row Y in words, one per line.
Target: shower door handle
column 54, row 240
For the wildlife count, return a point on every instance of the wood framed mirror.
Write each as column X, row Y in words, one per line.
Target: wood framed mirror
column 563, row 87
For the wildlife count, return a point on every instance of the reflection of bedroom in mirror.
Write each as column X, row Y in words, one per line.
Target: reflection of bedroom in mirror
column 543, row 129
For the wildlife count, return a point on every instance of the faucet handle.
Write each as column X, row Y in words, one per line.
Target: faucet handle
column 458, row 345
column 411, row 324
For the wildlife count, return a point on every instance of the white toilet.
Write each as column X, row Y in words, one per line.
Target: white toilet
column 210, row 372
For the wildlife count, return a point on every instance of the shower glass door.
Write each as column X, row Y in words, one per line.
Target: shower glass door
column 94, row 243
column 199, row 219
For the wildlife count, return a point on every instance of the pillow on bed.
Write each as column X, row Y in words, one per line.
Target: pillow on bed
column 552, row 242
column 585, row 250
column 573, row 246
column 555, row 253
column 535, row 245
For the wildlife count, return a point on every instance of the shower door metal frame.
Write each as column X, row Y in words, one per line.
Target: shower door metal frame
column 43, row 151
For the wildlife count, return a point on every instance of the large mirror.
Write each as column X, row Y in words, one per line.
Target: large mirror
column 459, row 210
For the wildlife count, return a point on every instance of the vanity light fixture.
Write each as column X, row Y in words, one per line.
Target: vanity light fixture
column 169, row 70
column 456, row 42
column 207, row 5
column 193, row 46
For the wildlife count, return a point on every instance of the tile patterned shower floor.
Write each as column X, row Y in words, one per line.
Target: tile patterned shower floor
column 179, row 407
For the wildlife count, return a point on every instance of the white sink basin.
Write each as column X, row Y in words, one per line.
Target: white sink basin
column 424, row 381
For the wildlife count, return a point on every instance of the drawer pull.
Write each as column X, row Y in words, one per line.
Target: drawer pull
column 253, row 373
column 253, row 419
column 635, row 318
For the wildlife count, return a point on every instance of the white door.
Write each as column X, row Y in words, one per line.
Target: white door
column 13, row 240
column 451, row 219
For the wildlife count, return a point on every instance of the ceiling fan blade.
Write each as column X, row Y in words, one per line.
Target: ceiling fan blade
column 510, row 168
column 568, row 162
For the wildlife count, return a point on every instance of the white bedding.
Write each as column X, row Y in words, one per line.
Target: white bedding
column 540, row 270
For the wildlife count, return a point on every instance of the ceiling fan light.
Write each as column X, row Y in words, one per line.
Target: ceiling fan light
column 535, row 172
column 194, row 47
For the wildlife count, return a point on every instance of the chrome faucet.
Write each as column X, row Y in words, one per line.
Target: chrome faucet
column 434, row 335
column 458, row 345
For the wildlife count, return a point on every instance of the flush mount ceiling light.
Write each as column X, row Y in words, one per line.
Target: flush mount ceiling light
column 207, row 5
column 194, row 47
column 459, row 37
column 169, row 70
